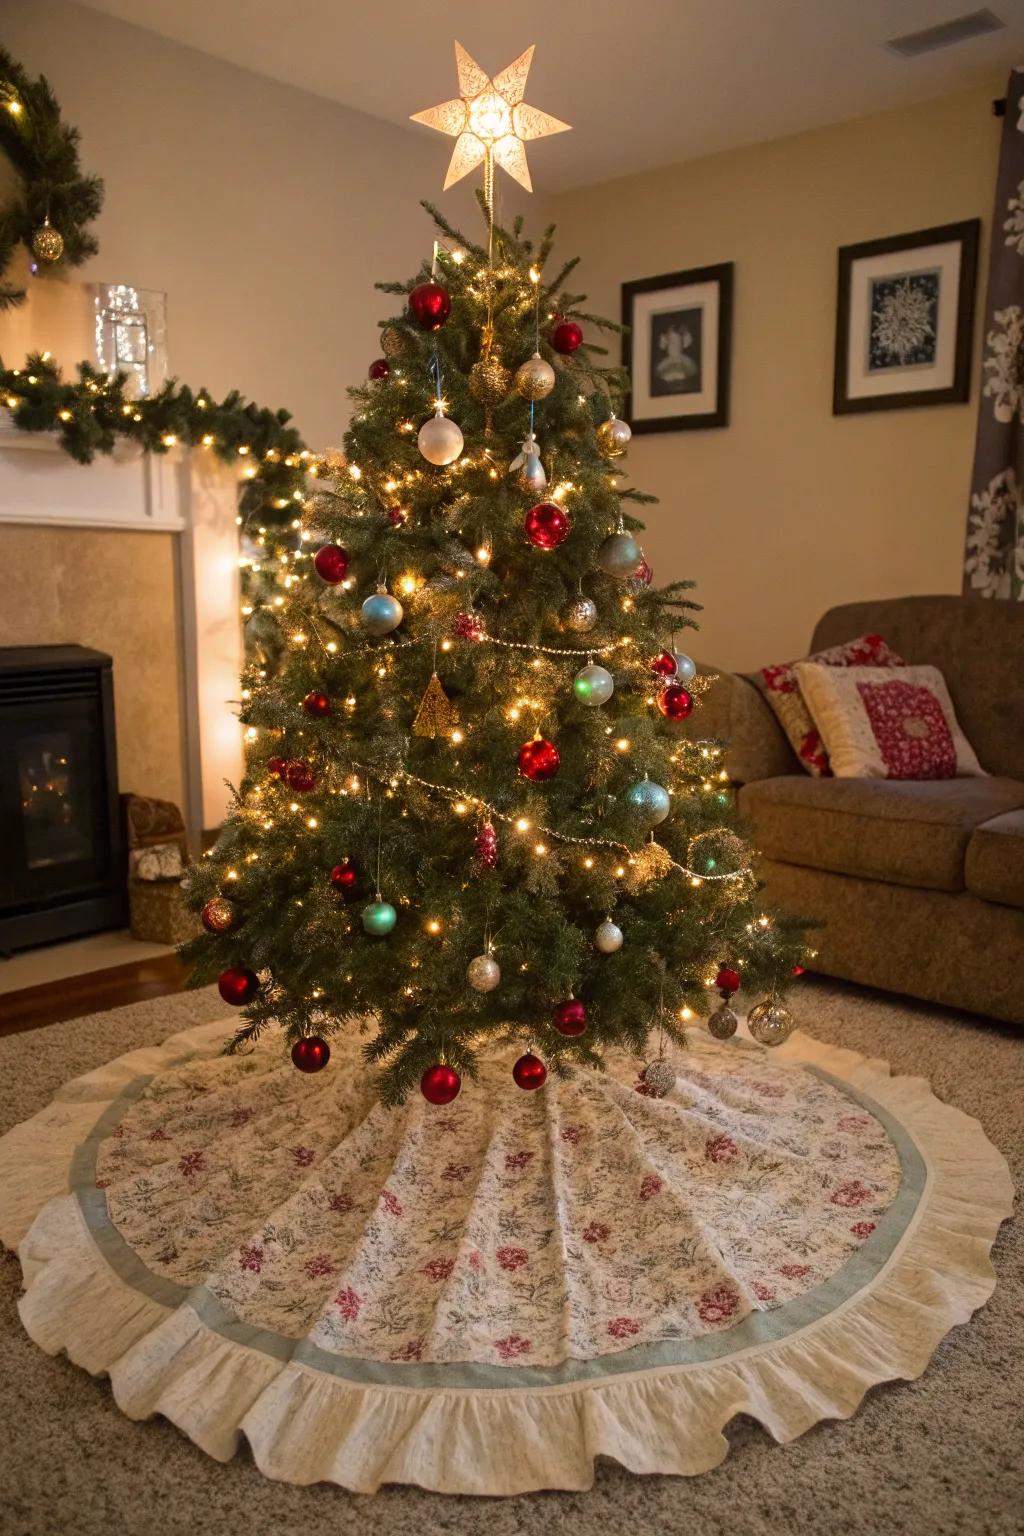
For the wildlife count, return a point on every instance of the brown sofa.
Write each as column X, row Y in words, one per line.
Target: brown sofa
column 920, row 885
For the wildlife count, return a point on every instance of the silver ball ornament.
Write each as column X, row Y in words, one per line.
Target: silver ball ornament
column 580, row 615
column 593, row 685
column 483, row 973
column 535, row 379
column 619, row 555
column 650, row 801
column 613, row 437
column 770, row 1023
column 686, row 667
column 658, row 1077
column 381, row 613
column 439, row 440
column 723, row 1023
column 608, row 937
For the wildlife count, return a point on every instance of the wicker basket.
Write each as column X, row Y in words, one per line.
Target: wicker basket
column 158, row 912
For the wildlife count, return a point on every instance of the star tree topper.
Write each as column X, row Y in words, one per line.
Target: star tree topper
column 490, row 118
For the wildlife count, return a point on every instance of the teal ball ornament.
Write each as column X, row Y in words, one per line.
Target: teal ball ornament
column 619, row 555
column 381, row 613
column 651, row 802
column 379, row 918
column 593, row 685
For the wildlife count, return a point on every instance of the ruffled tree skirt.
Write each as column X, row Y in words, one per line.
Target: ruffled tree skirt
column 482, row 1298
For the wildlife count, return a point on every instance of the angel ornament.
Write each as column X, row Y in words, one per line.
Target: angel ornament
column 527, row 462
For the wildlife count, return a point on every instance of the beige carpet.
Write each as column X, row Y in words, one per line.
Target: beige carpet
column 942, row 1455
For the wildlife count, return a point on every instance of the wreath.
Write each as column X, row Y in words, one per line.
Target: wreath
column 57, row 201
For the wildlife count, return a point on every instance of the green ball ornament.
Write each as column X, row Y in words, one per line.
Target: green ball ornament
column 651, row 802
column 379, row 918
column 593, row 685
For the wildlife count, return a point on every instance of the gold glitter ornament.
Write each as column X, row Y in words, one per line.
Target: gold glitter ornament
column 535, row 379
column 652, row 863
column 770, row 1023
column 437, row 715
column 613, row 437
column 218, row 915
column 392, row 342
column 47, row 242
column 489, row 380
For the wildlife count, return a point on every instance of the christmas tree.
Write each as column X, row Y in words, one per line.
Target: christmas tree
column 476, row 807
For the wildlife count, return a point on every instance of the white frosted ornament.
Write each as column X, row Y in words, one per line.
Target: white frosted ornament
column 770, row 1023
column 439, row 440
column 686, row 667
column 483, row 973
column 608, row 937
column 593, row 685
column 381, row 613
column 613, row 437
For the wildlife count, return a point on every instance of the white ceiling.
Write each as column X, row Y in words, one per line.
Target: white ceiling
column 643, row 82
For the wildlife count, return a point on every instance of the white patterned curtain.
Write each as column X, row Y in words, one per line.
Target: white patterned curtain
column 994, row 553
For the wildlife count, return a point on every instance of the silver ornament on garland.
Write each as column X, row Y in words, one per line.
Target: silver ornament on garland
column 723, row 1023
column 440, row 440
column 381, row 613
column 535, row 379
column 608, row 937
column 613, row 437
column 770, row 1022
column 658, row 1077
column 581, row 615
column 47, row 242
column 483, row 973
column 527, row 462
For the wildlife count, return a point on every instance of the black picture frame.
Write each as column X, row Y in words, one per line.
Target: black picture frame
column 721, row 274
column 967, row 235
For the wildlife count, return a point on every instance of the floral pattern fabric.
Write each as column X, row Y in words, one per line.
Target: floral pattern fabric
column 508, row 1228
column 781, row 687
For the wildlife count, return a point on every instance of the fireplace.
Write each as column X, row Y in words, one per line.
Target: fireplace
column 62, row 860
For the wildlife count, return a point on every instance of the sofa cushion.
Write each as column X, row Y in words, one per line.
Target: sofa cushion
column 994, row 866
column 902, row 830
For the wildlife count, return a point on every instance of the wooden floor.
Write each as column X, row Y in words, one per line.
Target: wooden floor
column 93, row 992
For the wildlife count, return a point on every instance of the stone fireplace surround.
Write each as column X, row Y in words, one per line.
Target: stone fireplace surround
column 135, row 555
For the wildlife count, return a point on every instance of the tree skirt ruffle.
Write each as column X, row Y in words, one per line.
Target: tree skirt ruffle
column 482, row 1298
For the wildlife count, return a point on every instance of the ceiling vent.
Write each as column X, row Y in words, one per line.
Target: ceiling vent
column 946, row 35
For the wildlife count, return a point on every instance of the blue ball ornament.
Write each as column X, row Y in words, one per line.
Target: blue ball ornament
column 619, row 555
column 379, row 918
column 593, row 685
column 650, row 801
column 381, row 613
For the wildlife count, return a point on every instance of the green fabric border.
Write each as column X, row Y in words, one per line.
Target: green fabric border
column 757, row 1329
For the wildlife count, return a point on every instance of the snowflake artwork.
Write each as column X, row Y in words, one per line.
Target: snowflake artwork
column 904, row 321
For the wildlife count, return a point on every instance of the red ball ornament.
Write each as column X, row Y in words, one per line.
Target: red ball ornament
column 529, row 1071
column 727, row 980
column 311, row 1054
column 798, row 970
column 317, row 704
column 218, row 915
column 345, row 878
column 547, row 525
column 276, row 767
column 298, row 775
column 664, row 664
column 430, row 305
column 380, row 368
column 565, row 335
column 674, row 702
column 538, row 760
column 570, row 1017
column 331, row 563
column 440, row 1084
column 238, row 985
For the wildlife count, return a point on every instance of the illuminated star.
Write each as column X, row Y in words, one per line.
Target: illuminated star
column 490, row 117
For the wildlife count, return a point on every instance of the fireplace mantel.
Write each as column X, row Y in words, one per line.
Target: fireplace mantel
column 193, row 497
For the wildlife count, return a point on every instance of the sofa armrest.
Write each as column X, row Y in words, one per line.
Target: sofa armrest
column 736, row 712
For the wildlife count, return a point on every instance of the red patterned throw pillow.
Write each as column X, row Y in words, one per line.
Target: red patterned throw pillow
column 882, row 723
column 782, row 690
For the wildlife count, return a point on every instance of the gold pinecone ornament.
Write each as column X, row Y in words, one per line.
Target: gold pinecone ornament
column 47, row 242
column 392, row 342
column 489, row 381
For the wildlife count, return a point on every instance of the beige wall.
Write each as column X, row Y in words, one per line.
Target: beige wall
column 790, row 509
column 113, row 591
column 265, row 214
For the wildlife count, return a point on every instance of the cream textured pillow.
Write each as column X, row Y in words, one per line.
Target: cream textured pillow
column 886, row 723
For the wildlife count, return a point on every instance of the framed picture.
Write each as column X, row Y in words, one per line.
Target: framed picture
column 904, row 319
column 676, row 349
